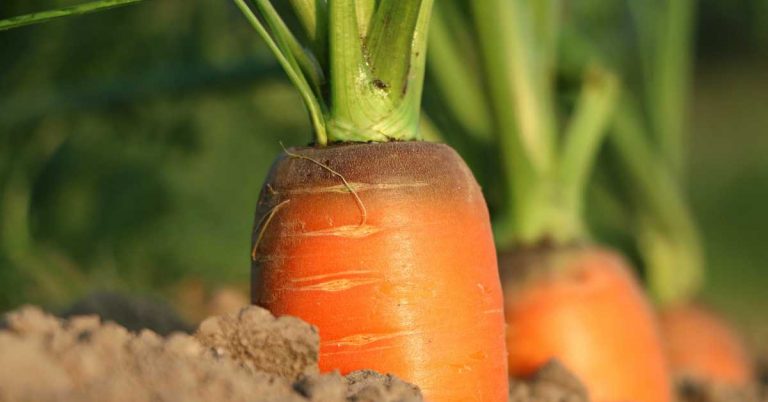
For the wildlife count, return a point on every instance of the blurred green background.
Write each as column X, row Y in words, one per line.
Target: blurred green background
column 133, row 144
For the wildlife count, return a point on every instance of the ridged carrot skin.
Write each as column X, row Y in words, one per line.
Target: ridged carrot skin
column 403, row 280
column 702, row 346
column 582, row 306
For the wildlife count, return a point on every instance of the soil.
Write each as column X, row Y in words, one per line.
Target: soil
column 552, row 383
column 248, row 356
column 689, row 390
column 245, row 356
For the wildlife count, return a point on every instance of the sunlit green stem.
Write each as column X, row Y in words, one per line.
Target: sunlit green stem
column 370, row 87
column 376, row 83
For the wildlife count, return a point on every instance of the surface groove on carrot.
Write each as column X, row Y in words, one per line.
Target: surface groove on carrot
column 414, row 292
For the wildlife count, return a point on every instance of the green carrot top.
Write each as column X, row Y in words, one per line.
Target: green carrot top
column 545, row 159
column 359, row 65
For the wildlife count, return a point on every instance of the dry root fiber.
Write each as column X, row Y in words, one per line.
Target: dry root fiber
column 250, row 356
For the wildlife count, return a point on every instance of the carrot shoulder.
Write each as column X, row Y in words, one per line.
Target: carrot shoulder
column 387, row 249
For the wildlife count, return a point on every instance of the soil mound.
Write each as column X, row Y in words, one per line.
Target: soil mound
column 552, row 383
column 248, row 356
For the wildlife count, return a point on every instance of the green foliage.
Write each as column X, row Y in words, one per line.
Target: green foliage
column 499, row 65
column 50, row 15
column 133, row 158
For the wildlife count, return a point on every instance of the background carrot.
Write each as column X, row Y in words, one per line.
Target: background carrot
column 580, row 305
column 565, row 297
column 384, row 243
column 647, row 161
column 703, row 347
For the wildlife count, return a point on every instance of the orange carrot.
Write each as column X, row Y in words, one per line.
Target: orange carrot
column 583, row 307
column 387, row 249
column 702, row 346
column 383, row 242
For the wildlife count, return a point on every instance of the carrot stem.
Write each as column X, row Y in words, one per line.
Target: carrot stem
column 367, row 85
column 582, row 140
column 546, row 167
column 313, row 16
column 461, row 91
column 666, row 232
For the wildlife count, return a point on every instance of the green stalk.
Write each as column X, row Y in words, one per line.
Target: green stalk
column 313, row 16
column 666, row 233
column 286, row 60
column 461, row 90
column 525, row 154
column 547, row 17
column 546, row 173
column 653, row 151
column 666, row 57
column 49, row 15
column 507, row 43
column 583, row 137
column 669, row 88
column 370, row 87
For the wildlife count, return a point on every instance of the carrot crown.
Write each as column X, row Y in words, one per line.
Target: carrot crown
column 545, row 162
column 359, row 65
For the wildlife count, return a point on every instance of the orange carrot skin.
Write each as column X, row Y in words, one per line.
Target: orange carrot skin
column 413, row 290
column 702, row 346
column 583, row 307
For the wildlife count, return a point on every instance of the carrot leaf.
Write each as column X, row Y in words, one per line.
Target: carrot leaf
column 289, row 64
column 313, row 16
column 49, row 15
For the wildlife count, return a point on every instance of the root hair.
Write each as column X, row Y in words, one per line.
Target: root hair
column 358, row 200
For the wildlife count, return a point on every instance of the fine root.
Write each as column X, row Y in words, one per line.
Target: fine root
column 363, row 211
column 263, row 223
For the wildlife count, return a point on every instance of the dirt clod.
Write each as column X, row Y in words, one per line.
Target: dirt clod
column 552, row 383
column 285, row 346
column 249, row 356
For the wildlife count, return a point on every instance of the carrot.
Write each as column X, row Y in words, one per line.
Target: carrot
column 582, row 306
column 408, row 285
column 565, row 297
column 381, row 241
column 703, row 347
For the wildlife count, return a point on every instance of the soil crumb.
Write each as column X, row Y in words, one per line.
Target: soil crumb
column 552, row 383
column 246, row 356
